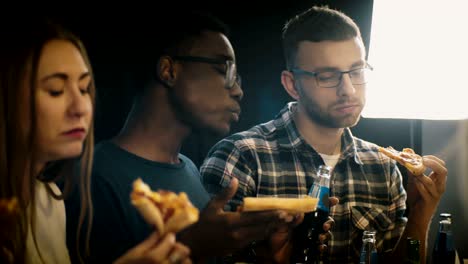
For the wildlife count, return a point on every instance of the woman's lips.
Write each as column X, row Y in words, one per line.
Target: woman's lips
column 76, row 133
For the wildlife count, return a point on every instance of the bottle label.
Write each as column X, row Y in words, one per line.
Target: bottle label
column 369, row 257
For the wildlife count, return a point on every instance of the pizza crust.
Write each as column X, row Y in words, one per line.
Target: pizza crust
column 292, row 205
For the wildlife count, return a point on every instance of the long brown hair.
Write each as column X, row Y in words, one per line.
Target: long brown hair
column 20, row 50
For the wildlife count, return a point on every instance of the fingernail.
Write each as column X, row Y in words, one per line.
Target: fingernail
column 286, row 217
column 175, row 257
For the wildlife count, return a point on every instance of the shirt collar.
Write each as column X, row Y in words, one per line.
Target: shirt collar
column 284, row 122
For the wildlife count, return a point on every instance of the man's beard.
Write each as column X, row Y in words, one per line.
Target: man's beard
column 321, row 116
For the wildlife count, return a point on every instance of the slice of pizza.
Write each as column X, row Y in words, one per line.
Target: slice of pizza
column 293, row 205
column 407, row 157
column 166, row 210
column 9, row 217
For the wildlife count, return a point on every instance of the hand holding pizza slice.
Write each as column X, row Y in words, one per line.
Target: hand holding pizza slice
column 166, row 210
column 407, row 157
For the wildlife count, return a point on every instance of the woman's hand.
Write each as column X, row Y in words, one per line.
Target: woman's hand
column 157, row 250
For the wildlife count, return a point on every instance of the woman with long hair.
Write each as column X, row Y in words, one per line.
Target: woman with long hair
column 47, row 97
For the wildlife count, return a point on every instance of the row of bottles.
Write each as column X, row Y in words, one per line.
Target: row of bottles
column 306, row 250
column 369, row 250
column 443, row 251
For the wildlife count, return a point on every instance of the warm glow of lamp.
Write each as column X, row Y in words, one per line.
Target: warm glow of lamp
column 419, row 51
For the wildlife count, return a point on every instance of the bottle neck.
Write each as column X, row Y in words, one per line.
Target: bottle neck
column 445, row 226
column 324, row 170
column 368, row 240
column 324, row 181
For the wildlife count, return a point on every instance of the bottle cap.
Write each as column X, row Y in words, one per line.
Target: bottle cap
column 324, row 170
column 368, row 236
column 445, row 215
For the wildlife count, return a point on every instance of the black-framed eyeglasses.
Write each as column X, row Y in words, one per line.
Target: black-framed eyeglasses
column 231, row 74
column 332, row 79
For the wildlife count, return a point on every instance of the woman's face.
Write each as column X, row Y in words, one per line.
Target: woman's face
column 63, row 104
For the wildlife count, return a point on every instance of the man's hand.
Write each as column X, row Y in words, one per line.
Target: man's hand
column 280, row 240
column 424, row 192
column 326, row 235
column 218, row 232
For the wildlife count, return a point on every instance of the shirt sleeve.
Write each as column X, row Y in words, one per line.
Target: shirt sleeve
column 396, row 211
column 225, row 161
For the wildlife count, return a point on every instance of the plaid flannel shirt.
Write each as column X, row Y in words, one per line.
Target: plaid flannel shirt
column 272, row 159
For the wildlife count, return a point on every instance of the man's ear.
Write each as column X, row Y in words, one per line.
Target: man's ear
column 166, row 71
column 287, row 79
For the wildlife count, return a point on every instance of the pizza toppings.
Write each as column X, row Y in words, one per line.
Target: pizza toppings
column 166, row 210
column 407, row 157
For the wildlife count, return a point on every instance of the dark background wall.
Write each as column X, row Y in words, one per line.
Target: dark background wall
column 256, row 37
column 255, row 34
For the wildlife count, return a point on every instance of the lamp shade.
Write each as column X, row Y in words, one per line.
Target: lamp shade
column 419, row 51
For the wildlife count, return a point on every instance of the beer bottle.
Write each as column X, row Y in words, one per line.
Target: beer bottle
column 444, row 248
column 369, row 249
column 412, row 251
column 306, row 235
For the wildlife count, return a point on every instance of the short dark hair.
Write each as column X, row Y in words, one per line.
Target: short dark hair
column 316, row 24
column 171, row 34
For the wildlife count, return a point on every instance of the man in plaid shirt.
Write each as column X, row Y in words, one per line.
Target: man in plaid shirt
column 327, row 75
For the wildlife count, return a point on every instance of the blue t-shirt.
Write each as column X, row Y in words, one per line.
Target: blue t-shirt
column 117, row 225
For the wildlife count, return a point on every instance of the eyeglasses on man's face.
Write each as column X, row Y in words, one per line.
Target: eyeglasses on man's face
column 231, row 75
column 332, row 79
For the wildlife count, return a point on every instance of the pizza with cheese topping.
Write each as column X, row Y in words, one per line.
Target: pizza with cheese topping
column 407, row 157
column 166, row 210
